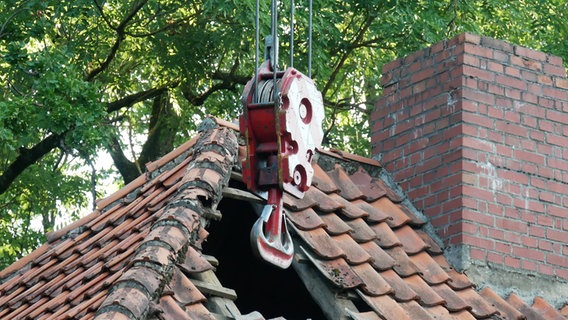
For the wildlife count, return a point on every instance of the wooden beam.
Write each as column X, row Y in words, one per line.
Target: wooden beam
column 239, row 194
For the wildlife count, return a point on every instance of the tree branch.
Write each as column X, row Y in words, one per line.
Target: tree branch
column 28, row 157
column 137, row 97
column 120, row 36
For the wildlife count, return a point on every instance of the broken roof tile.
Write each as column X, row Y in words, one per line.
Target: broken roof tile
column 306, row 219
column 352, row 228
column 347, row 188
column 364, row 183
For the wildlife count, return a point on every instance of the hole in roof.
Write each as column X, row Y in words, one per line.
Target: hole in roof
column 259, row 286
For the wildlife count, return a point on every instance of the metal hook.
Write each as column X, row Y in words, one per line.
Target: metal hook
column 270, row 238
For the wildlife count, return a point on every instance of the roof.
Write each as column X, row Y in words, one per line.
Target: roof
column 139, row 254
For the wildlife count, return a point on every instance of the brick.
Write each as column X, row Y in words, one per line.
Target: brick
column 561, row 83
column 503, row 247
column 557, row 235
column 511, row 82
column 528, row 265
column 558, row 260
column 546, row 269
column 512, row 262
column 495, row 257
column 555, row 93
column 556, row 116
column 528, row 253
column 529, row 53
column 558, row 71
column 478, row 254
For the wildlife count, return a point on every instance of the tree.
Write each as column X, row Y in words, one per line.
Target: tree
column 134, row 77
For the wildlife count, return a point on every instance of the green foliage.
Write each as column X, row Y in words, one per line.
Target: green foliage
column 134, row 78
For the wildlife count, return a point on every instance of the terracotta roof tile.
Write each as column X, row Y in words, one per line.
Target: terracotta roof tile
column 183, row 290
column 401, row 291
column 348, row 209
column 453, row 302
column 416, row 311
column 334, row 225
column 365, row 183
column 480, row 308
column 524, row 308
column 347, row 188
column 373, row 283
column 426, row 295
column 354, row 254
column 194, row 262
column 360, row 230
column 403, row 266
column 322, row 181
column 306, row 219
column 564, row 310
column 430, row 271
column 338, row 271
column 411, row 241
column 380, row 259
column 544, row 308
column 374, row 215
column 391, row 194
column 397, row 217
column 321, row 243
column 387, row 307
column 505, row 309
column 433, row 248
column 386, row 237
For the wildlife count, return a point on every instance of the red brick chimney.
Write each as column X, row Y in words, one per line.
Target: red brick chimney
column 475, row 130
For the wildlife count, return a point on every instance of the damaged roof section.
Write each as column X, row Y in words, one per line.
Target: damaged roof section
column 361, row 249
